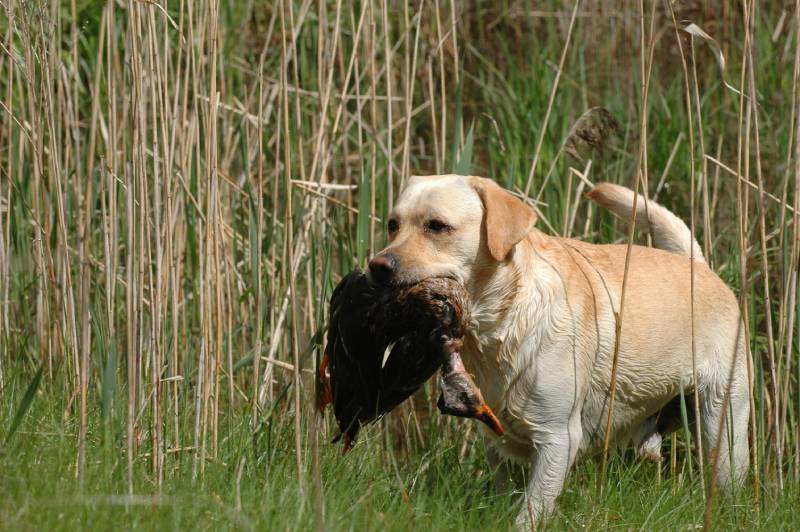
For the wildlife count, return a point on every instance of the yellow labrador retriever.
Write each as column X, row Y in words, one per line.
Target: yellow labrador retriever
column 543, row 334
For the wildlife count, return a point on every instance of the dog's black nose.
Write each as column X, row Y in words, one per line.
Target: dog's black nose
column 382, row 267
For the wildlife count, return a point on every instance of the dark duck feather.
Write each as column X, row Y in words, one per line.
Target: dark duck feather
column 384, row 342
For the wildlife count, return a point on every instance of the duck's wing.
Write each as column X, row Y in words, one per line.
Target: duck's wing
column 355, row 343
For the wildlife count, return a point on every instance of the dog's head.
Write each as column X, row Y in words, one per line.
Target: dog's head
column 447, row 226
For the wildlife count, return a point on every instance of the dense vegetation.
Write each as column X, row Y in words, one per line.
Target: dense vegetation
column 182, row 183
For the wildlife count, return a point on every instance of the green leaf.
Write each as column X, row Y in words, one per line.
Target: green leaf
column 245, row 361
column 109, row 383
column 457, row 111
column 362, row 226
column 25, row 404
column 464, row 164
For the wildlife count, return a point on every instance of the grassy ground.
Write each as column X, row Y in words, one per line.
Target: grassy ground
column 182, row 183
column 432, row 487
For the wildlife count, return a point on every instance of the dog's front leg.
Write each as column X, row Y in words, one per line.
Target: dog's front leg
column 554, row 456
column 507, row 476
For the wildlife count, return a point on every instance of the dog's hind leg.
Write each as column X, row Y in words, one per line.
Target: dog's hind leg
column 725, row 429
column 662, row 424
column 649, row 447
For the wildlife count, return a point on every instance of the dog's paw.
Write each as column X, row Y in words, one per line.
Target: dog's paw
column 529, row 517
column 650, row 448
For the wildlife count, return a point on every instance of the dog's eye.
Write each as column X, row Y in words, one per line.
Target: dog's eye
column 437, row 226
column 393, row 226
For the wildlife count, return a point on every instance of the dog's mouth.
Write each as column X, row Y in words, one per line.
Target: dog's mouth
column 400, row 284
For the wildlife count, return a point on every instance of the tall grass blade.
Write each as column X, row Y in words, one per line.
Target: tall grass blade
column 362, row 223
column 25, row 404
column 463, row 165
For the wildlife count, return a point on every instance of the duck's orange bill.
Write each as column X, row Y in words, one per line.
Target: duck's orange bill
column 486, row 415
column 325, row 396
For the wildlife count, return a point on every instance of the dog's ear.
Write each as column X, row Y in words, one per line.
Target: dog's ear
column 506, row 217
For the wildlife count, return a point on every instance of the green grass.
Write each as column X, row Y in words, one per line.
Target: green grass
column 363, row 489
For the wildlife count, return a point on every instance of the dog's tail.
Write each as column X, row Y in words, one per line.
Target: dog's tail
column 668, row 231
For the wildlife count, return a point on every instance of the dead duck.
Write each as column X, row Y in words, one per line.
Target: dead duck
column 384, row 342
column 461, row 397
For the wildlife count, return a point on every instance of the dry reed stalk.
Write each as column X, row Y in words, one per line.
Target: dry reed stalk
column 791, row 289
column 198, row 454
column 550, row 102
column 133, row 178
column 217, row 234
column 707, row 236
column 109, row 198
column 749, row 14
column 158, row 279
column 289, row 224
column 722, row 166
column 786, row 314
column 692, row 194
column 715, row 451
column 437, row 161
column 173, row 241
column 314, row 422
column 59, row 159
column 327, row 95
column 373, row 116
column 410, row 79
column 357, row 119
column 297, row 249
column 646, row 69
column 85, row 251
column 257, row 254
column 266, row 389
column 440, row 158
column 456, row 70
column 7, row 197
column 40, row 251
column 388, row 77
column 640, row 178
column 742, row 209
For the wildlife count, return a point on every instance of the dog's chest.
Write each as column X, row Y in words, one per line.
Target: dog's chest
column 482, row 360
column 493, row 375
